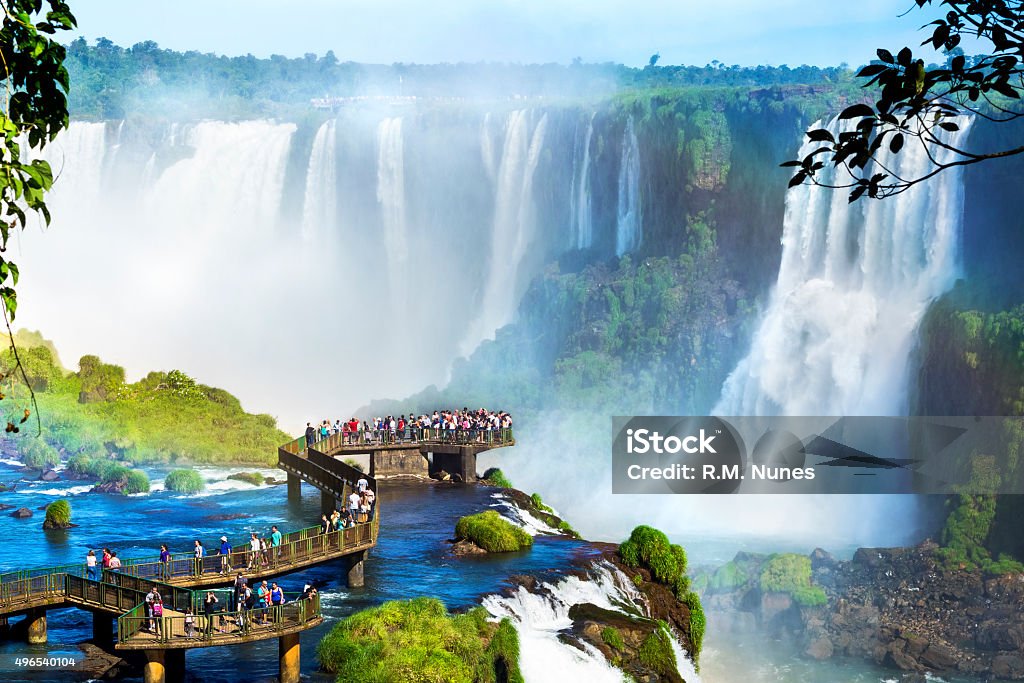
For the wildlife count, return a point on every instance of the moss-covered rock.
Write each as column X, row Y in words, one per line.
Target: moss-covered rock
column 492, row 532
column 184, row 481
column 58, row 515
column 419, row 641
column 495, row 477
column 790, row 573
column 254, row 478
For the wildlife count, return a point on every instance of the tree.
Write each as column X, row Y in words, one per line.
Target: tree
column 924, row 105
column 33, row 112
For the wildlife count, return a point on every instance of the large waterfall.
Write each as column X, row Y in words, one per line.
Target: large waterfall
column 320, row 204
column 628, row 227
column 581, row 216
column 854, row 282
column 391, row 195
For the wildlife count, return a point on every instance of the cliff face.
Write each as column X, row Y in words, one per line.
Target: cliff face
column 897, row 607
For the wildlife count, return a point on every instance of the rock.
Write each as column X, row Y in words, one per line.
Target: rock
column 822, row 559
column 5, row 506
column 1008, row 666
column 774, row 604
column 22, row 513
column 993, row 635
column 110, row 487
column 819, row 649
column 441, row 475
column 227, row 517
column 99, row 664
column 47, row 524
column 939, row 657
column 461, row 548
column 49, row 475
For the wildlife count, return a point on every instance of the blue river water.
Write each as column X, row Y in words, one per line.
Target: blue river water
column 411, row 558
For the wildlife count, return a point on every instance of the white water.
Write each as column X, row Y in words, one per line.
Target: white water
column 391, row 196
column 320, row 204
column 854, row 282
column 521, row 518
column 514, row 226
column 539, row 616
column 581, row 217
column 628, row 228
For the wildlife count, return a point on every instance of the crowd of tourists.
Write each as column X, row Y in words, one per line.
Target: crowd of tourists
column 357, row 508
column 456, row 426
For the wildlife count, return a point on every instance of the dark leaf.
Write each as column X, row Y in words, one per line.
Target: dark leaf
column 857, row 111
column 820, row 135
column 896, row 144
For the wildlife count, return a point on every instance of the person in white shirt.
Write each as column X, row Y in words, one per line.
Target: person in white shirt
column 353, row 505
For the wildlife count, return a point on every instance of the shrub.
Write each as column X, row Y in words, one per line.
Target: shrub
column 38, row 454
column 137, row 482
column 495, row 477
column 254, row 478
column 656, row 652
column 58, row 513
column 417, row 640
column 730, row 575
column 539, row 504
column 698, row 623
column 492, row 532
column 791, row 573
column 184, row 481
column 354, row 464
column 650, row 548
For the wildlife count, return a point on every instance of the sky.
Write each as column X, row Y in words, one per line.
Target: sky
column 744, row 32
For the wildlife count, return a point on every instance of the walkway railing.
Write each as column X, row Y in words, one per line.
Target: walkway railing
column 410, row 435
column 134, row 627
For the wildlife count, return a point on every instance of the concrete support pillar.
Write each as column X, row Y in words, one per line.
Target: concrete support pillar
column 374, row 457
column 467, row 457
column 354, row 563
column 328, row 503
column 35, row 621
column 294, row 487
column 154, row 671
column 102, row 630
column 288, row 658
column 174, row 661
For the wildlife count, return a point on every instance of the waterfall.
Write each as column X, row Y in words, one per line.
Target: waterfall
column 853, row 285
column 514, row 226
column 487, row 151
column 391, row 197
column 540, row 615
column 320, row 204
column 628, row 227
column 75, row 158
column 580, row 200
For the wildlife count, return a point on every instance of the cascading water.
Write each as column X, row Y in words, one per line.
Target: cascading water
column 628, row 227
column 581, row 217
column 320, row 204
column 391, row 196
column 854, row 282
column 514, row 226
column 540, row 615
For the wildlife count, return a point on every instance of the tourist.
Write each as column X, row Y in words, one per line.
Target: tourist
column 325, row 524
column 362, row 484
column 90, row 566
column 310, row 434
column 353, row 505
column 308, row 591
column 264, row 553
column 254, row 551
column 238, row 588
column 158, row 615
column 370, row 497
column 198, row 552
column 115, row 562
column 248, row 602
column 324, row 429
column 364, row 508
column 225, row 555
column 165, row 561
column 190, row 627
column 276, row 600
column 262, row 599
column 209, row 607
column 106, row 558
column 150, row 600
column 275, row 542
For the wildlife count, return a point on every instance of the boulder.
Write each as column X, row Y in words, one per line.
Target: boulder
column 940, row 657
column 22, row 513
column 819, row 649
column 461, row 548
column 1008, row 666
column 49, row 475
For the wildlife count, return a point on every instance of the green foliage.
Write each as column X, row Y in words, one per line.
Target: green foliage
column 791, row 573
column 38, row 454
column 650, row 548
column 612, row 638
column 164, row 417
column 492, row 532
column 254, row 478
column 730, row 575
column 184, row 481
column 698, row 623
column 354, row 464
column 417, row 641
column 58, row 513
column 138, row 482
column 35, row 84
column 495, row 477
column 656, row 652
column 539, row 502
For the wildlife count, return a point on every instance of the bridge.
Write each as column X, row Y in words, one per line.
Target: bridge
column 184, row 581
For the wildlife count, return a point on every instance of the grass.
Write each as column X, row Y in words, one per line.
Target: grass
column 612, row 638
column 58, row 513
column 539, row 504
column 137, row 482
column 656, row 652
column 254, row 478
column 38, row 454
column 650, row 548
column 698, row 623
column 418, row 641
column 492, row 532
column 184, row 481
column 791, row 573
column 495, row 477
